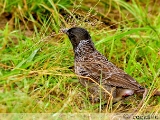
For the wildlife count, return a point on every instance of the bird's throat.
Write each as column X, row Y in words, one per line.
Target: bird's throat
column 84, row 47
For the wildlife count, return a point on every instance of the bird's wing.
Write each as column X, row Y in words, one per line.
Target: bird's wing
column 99, row 69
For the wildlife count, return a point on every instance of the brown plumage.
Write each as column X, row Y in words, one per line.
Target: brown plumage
column 93, row 68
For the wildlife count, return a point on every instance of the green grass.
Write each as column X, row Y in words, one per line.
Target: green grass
column 34, row 66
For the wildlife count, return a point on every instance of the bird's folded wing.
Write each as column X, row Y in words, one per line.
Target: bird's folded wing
column 109, row 74
column 123, row 80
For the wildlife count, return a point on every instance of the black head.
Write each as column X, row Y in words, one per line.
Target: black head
column 76, row 34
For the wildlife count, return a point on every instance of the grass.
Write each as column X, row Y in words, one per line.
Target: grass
column 34, row 65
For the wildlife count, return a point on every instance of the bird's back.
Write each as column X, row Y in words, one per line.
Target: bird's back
column 98, row 68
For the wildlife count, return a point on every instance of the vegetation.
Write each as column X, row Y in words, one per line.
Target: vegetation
column 35, row 57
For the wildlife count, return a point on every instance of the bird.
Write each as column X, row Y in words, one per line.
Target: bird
column 96, row 73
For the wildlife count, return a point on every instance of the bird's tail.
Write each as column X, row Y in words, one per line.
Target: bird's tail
column 156, row 93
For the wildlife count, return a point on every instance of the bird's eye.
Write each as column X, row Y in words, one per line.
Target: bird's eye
column 72, row 35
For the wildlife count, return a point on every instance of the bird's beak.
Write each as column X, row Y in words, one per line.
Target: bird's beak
column 64, row 30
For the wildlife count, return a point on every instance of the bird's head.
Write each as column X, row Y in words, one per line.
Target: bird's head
column 77, row 34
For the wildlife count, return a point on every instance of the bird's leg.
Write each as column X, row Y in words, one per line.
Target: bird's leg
column 111, row 99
